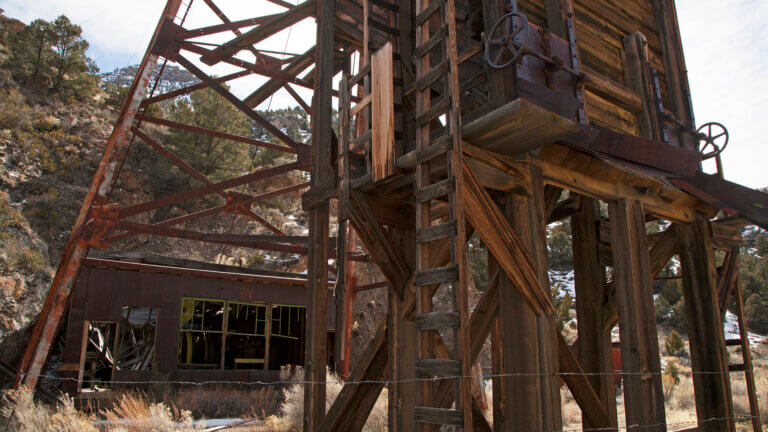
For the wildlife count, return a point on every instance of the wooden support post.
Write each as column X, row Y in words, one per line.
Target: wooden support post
column 711, row 382
column 595, row 351
column 529, row 341
column 546, row 327
column 522, row 394
column 323, row 177
column 496, row 347
column 402, row 338
column 643, row 397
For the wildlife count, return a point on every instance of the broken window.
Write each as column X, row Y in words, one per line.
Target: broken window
column 202, row 333
column 245, row 336
column 286, row 342
column 136, row 341
column 220, row 334
column 98, row 358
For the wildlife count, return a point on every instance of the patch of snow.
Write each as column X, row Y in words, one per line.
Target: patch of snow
column 731, row 330
column 565, row 279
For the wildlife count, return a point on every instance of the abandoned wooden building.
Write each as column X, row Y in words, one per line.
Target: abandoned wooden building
column 230, row 324
column 455, row 118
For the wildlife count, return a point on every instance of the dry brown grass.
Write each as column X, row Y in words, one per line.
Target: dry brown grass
column 292, row 409
column 137, row 414
column 27, row 415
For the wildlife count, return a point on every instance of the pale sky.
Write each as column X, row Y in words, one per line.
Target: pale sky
column 725, row 43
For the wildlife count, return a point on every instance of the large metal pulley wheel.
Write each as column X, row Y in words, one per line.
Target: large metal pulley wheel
column 507, row 41
column 713, row 139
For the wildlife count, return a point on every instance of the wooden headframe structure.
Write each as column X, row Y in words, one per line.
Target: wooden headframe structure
column 458, row 117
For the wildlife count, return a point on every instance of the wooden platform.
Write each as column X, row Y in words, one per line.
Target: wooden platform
column 518, row 127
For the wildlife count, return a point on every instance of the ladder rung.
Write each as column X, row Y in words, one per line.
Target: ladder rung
column 364, row 103
column 436, row 276
column 436, row 232
column 383, row 27
column 732, row 342
column 429, row 78
column 363, row 137
column 434, row 190
column 424, row 15
column 437, row 320
column 429, row 45
column 738, row 367
column 359, row 76
column 433, row 112
column 438, row 367
column 439, row 416
column 410, row 159
column 472, row 82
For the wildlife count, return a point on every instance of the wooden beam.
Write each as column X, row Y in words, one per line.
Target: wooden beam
column 595, row 349
column 709, row 361
column 569, row 207
column 506, row 246
column 402, row 337
column 643, row 396
column 601, row 188
column 581, row 389
column 660, row 254
column 527, row 216
column 323, row 175
column 522, row 398
column 384, row 251
column 639, row 79
column 726, row 283
column 609, row 89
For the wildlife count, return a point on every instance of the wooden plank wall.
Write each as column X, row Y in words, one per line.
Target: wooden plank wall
column 601, row 28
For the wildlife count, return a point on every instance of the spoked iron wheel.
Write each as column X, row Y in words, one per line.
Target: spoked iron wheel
column 713, row 139
column 507, row 41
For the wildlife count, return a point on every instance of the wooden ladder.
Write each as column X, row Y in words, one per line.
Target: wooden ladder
column 436, row 122
column 746, row 364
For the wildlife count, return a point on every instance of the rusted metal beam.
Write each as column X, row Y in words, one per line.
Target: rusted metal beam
column 261, row 32
column 295, row 67
column 298, row 98
column 191, row 89
column 227, row 26
column 173, row 158
column 155, row 268
column 205, row 190
column 173, row 221
column 262, row 242
column 302, row 149
column 266, row 66
column 213, row 133
column 45, row 328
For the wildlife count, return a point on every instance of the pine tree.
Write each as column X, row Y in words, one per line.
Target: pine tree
column 51, row 57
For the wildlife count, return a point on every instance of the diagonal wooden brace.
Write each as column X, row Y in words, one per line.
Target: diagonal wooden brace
column 503, row 243
column 384, row 251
